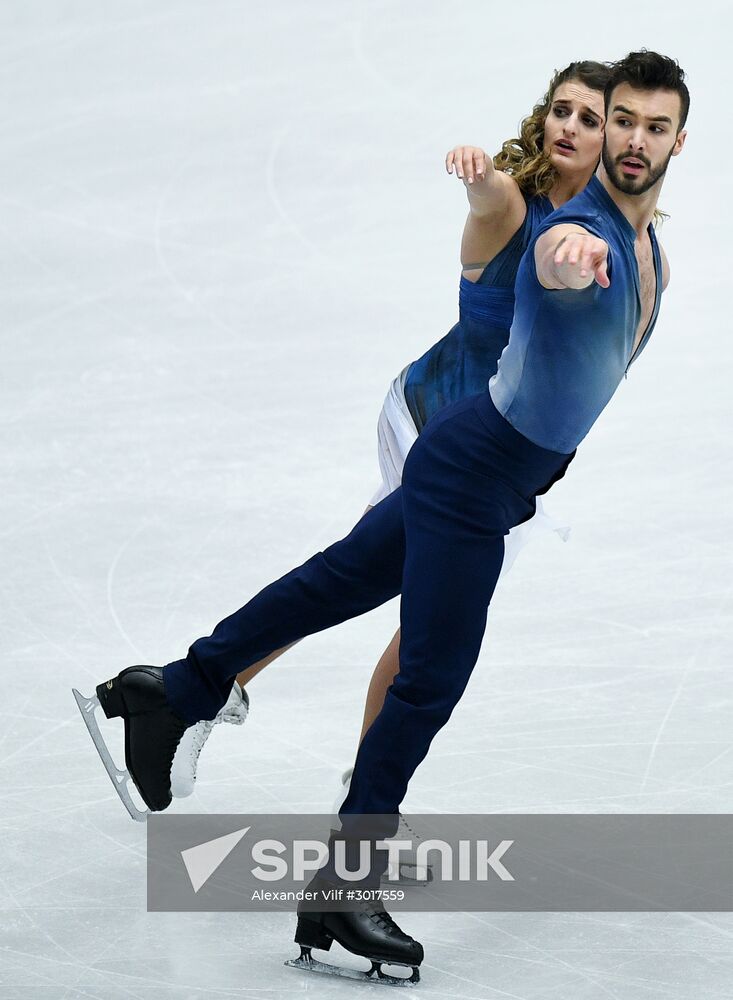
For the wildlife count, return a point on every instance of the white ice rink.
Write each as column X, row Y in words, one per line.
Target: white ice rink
column 225, row 227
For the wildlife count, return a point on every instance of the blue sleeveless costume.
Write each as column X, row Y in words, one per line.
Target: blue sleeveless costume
column 465, row 359
column 438, row 540
column 559, row 370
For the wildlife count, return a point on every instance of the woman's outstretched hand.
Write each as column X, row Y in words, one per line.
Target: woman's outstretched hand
column 471, row 163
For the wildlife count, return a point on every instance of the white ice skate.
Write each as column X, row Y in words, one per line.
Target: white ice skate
column 410, row 873
column 185, row 762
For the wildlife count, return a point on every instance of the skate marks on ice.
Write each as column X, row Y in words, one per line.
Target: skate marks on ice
column 121, row 780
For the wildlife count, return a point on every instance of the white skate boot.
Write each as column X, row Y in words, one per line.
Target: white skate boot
column 185, row 762
column 410, row 873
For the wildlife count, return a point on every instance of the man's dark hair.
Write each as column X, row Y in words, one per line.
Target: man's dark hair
column 650, row 71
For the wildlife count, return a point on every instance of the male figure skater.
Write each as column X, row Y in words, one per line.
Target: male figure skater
column 587, row 298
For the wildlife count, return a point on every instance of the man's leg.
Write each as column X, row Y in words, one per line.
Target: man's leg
column 465, row 489
column 244, row 677
column 468, row 479
column 157, row 704
column 354, row 575
column 448, row 581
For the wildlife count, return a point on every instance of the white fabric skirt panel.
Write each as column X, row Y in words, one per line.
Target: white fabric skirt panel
column 396, row 434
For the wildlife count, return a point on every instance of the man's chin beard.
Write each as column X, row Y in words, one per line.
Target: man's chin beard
column 630, row 185
column 633, row 185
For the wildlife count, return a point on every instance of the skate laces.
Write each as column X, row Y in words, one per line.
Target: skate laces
column 382, row 919
column 201, row 733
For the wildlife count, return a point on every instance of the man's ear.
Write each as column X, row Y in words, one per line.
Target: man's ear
column 679, row 143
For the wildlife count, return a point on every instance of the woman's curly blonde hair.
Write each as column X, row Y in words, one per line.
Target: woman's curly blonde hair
column 523, row 158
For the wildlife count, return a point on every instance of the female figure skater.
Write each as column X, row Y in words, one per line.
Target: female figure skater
column 552, row 160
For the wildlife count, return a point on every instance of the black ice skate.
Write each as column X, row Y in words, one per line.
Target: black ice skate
column 152, row 732
column 368, row 932
column 408, row 872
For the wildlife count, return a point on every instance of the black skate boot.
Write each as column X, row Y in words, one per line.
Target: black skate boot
column 152, row 732
column 370, row 932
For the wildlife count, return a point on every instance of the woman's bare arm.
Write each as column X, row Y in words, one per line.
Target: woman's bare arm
column 496, row 206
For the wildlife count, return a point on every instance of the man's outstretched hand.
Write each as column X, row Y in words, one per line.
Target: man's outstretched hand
column 580, row 259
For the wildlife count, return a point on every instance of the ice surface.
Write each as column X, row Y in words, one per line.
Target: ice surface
column 226, row 227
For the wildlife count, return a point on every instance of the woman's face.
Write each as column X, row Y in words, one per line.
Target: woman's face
column 574, row 128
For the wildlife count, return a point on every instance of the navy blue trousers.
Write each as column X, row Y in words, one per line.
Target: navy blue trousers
column 439, row 541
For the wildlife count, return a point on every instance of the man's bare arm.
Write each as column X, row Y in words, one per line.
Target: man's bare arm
column 568, row 256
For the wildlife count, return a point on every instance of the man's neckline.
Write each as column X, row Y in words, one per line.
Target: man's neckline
column 595, row 186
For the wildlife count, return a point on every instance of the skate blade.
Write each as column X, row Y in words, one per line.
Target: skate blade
column 120, row 779
column 375, row 975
